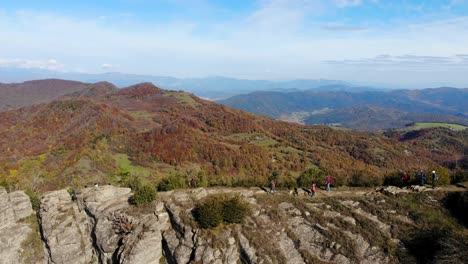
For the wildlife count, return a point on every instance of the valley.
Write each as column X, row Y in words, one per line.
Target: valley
column 359, row 110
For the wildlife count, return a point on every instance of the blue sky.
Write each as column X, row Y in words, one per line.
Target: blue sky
column 401, row 42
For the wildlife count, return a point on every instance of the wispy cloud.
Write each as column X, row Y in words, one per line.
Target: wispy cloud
column 291, row 39
column 406, row 60
column 108, row 66
column 50, row 64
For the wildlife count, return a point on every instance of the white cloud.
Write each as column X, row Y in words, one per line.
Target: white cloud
column 50, row 64
column 406, row 60
column 280, row 35
column 107, row 66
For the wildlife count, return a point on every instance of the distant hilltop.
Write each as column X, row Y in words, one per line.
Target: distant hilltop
column 360, row 110
column 216, row 87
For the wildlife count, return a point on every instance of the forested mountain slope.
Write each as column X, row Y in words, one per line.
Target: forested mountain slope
column 153, row 133
column 367, row 110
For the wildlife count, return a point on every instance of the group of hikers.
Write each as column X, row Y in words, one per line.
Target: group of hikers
column 313, row 187
column 328, row 181
column 422, row 178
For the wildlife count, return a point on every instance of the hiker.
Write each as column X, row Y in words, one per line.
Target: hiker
column 435, row 177
column 328, row 182
column 295, row 192
column 74, row 195
column 313, row 188
column 272, row 186
column 405, row 179
column 422, row 177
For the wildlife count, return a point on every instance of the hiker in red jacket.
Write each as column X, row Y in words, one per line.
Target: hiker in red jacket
column 328, row 182
column 405, row 179
column 313, row 188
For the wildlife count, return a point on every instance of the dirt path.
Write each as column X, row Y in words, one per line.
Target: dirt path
column 363, row 191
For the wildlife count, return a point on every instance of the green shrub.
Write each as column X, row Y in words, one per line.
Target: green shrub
column 172, row 182
column 144, row 195
column 442, row 173
column 364, row 179
column 133, row 183
column 35, row 199
column 394, row 179
column 209, row 214
column 275, row 176
column 123, row 176
column 9, row 183
column 310, row 176
column 288, row 182
column 460, row 176
column 218, row 209
column 234, row 210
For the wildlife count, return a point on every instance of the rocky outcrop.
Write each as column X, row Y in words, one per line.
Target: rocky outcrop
column 66, row 229
column 15, row 208
column 100, row 226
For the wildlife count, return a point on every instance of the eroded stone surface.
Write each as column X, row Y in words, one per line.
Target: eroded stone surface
column 102, row 227
column 14, row 208
column 66, row 229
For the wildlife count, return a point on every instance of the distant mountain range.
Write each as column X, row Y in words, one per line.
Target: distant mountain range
column 362, row 110
column 209, row 87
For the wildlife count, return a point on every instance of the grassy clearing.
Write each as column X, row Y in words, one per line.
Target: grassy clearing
column 340, row 128
column 124, row 163
column 141, row 114
column 253, row 138
column 184, row 98
column 264, row 142
column 423, row 125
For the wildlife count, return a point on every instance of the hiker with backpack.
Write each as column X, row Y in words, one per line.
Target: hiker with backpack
column 405, row 179
column 422, row 177
column 435, row 178
column 272, row 186
column 328, row 182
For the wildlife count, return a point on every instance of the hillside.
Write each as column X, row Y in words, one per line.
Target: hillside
column 367, row 110
column 16, row 95
column 375, row 118
column 446, row 146
column 146, row 131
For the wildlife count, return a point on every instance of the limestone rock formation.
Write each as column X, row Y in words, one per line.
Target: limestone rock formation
column 15, row 208
column 66, row 229
column 100, row 226
column 97, row 228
